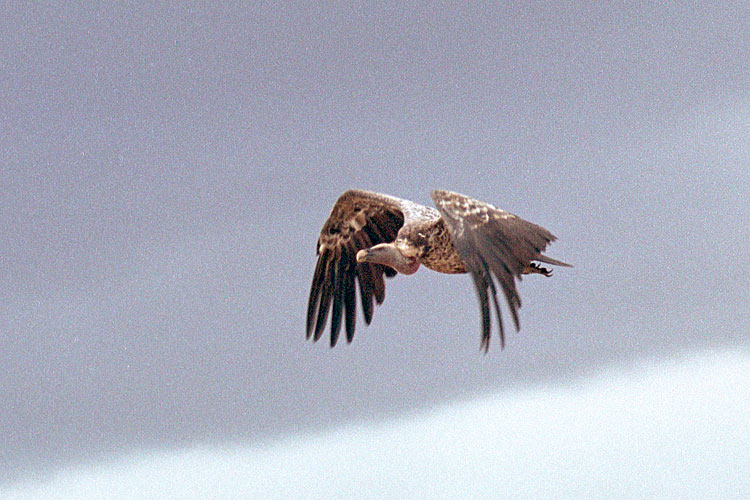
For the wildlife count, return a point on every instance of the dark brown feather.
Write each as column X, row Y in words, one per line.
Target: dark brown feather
column 338, row 298
column 488, row 278
column 325, row 300
column 365, row 280
column 480, row 283
column 314, row 300
column 350, row 306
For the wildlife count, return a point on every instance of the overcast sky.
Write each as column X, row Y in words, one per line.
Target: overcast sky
column 668, row 430
column 165, row 172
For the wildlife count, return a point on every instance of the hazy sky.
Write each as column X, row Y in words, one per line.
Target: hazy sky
column 165, row 172
column 686, row 436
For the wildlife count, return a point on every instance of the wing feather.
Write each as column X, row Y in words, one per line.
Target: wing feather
column 350, row 306
column 481, row 285
column 373, row 232
column 366, row 286
column 486, row 338
column 494, row 245
column 314, row 300
column 379, row 284
column 325, row 300
column 358, row 220
column 338, row 299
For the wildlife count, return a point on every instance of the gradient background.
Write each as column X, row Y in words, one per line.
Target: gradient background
column 166, row 171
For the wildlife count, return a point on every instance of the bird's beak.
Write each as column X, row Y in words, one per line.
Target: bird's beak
column 379, row 254
column 388, row 255
column 362, row 255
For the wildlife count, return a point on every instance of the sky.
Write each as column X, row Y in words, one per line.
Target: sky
column 686, row 435
column 166, row 171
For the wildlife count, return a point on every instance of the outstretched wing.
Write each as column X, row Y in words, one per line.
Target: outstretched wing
column 492, row 242
column 359, row 220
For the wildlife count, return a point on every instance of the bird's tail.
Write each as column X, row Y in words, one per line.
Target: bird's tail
column 550, row 260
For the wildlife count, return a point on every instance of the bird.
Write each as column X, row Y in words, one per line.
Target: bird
column 370, row 236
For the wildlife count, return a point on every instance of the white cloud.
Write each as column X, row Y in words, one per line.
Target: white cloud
column 677, row 429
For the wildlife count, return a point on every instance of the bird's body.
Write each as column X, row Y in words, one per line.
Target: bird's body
column 439, row 253
column 369, row 235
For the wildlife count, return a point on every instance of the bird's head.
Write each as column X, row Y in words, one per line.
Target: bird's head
column 388, row 254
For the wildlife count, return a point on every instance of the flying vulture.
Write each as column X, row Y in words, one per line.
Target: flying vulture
column 370, row 235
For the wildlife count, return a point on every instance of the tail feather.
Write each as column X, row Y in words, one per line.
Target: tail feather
column 550, row 260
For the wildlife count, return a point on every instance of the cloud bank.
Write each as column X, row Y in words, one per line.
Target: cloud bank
column 672, row 428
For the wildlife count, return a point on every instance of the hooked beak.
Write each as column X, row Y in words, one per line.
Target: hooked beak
column 388, row 255
column 374, row 254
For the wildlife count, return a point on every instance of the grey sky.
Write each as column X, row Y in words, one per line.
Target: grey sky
column 166, row 170
column 664, row 429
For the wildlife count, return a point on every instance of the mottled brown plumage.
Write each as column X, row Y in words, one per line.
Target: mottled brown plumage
column 370, row 235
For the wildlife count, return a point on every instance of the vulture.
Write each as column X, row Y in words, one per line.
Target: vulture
column 369, row 236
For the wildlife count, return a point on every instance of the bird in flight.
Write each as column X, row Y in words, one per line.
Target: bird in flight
column 371, row 235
